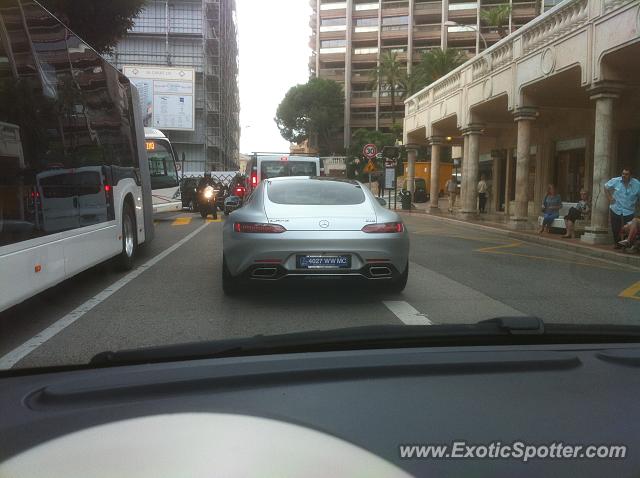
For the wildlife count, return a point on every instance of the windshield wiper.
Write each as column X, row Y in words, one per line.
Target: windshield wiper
column 498, row 331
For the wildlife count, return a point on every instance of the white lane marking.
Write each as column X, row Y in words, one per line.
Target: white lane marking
column 406, row 313
column 17, row 354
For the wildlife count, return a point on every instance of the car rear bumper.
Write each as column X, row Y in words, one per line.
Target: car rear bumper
column 379, row 272
column 246, row 253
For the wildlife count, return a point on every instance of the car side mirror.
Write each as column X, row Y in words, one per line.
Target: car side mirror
column 381, row 201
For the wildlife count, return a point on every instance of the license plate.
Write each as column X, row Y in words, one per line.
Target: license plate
column 324, row 262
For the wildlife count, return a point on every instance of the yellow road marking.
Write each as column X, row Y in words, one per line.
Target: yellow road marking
column 553, row 259
column 181, row 221
column 214, row 220
column 632, row 292
column 501, row 246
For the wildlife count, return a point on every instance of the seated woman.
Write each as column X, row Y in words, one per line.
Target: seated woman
column 551, row 208
column 580, row 211
column 632, row 231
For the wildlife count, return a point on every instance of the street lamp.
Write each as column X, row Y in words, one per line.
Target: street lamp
column 451, row 23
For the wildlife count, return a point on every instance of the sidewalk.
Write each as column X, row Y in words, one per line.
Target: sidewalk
column 498, row 223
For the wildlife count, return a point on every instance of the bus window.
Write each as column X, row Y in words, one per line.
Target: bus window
column 161, row 166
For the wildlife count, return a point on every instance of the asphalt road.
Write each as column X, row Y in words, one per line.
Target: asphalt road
column 458, row 274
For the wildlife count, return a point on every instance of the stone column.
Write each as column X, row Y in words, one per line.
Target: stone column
column 463, row 169
column 434, row 188
column 411, row 170
column 470, row 177
column 523, row 117
column 507, row 182
column 495, row 181
column 604, row 96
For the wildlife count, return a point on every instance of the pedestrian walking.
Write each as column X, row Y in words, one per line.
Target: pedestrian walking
column 623, row 193
column 482, row 194
column 380, row 180
column 452, row 190
column 551, row 208
column 580, row 211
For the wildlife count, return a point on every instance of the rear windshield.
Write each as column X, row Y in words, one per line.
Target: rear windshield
column 315, row 192
column 277, row 169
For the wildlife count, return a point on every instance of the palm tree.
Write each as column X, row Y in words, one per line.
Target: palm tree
column 437, row 63
column 388, row 76
column 497, row 17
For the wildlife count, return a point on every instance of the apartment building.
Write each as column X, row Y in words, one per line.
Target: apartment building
column 199, row 35
column 350, row 35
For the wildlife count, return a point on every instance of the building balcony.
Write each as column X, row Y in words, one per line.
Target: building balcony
column 427, row 9
column 371, row 35
column 333, row 35
column 395, row 8
column 463, row 11
column 395, row 32
column 362, row 76
column 367, row 55
column 335, row 74
column 524, row 11
column 427, row 32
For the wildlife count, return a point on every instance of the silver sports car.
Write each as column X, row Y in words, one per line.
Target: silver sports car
column 312, row 227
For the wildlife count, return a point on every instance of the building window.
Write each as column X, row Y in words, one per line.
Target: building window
column 404, row 20
column 367, row 22
column 332, row 43
column 327, row 22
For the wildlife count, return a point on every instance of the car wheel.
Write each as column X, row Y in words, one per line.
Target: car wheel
column 230, row 284
column 126, row 258
column 400, row 283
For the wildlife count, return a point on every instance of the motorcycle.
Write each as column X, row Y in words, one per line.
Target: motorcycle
column 207, row 202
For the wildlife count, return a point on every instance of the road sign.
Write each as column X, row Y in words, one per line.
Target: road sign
column 370, row 167
column 369, row 151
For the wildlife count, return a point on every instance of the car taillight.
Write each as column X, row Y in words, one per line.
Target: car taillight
column 254, row 179
column 386, row 227
column 255, row 227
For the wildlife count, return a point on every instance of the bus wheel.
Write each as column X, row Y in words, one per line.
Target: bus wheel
column 129, row 238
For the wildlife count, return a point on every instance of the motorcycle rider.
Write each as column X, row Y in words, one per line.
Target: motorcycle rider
column 207, row 180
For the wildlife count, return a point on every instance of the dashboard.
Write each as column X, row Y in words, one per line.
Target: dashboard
column 343, row 413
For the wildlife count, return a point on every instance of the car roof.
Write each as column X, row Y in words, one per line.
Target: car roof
column 315, row 178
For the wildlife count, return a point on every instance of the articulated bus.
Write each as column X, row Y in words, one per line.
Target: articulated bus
column 163, row 168
column 75, row 188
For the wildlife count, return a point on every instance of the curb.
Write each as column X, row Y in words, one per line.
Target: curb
column 626, row 259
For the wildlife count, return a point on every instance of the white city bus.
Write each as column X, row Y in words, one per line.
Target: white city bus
column 272, row 165
column 74, row 180
column 163, row 169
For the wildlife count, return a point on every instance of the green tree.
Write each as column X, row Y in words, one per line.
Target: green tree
column 497, row 17
column 437, row 63
column 100, row 23
column 315, row 109
column 389, row 76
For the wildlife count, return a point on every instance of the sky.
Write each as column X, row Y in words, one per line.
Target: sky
column 274, row 56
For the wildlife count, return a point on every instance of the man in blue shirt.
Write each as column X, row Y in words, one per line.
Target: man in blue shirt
column 623, row 193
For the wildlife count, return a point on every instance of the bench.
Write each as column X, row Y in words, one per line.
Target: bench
column 558, row 223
